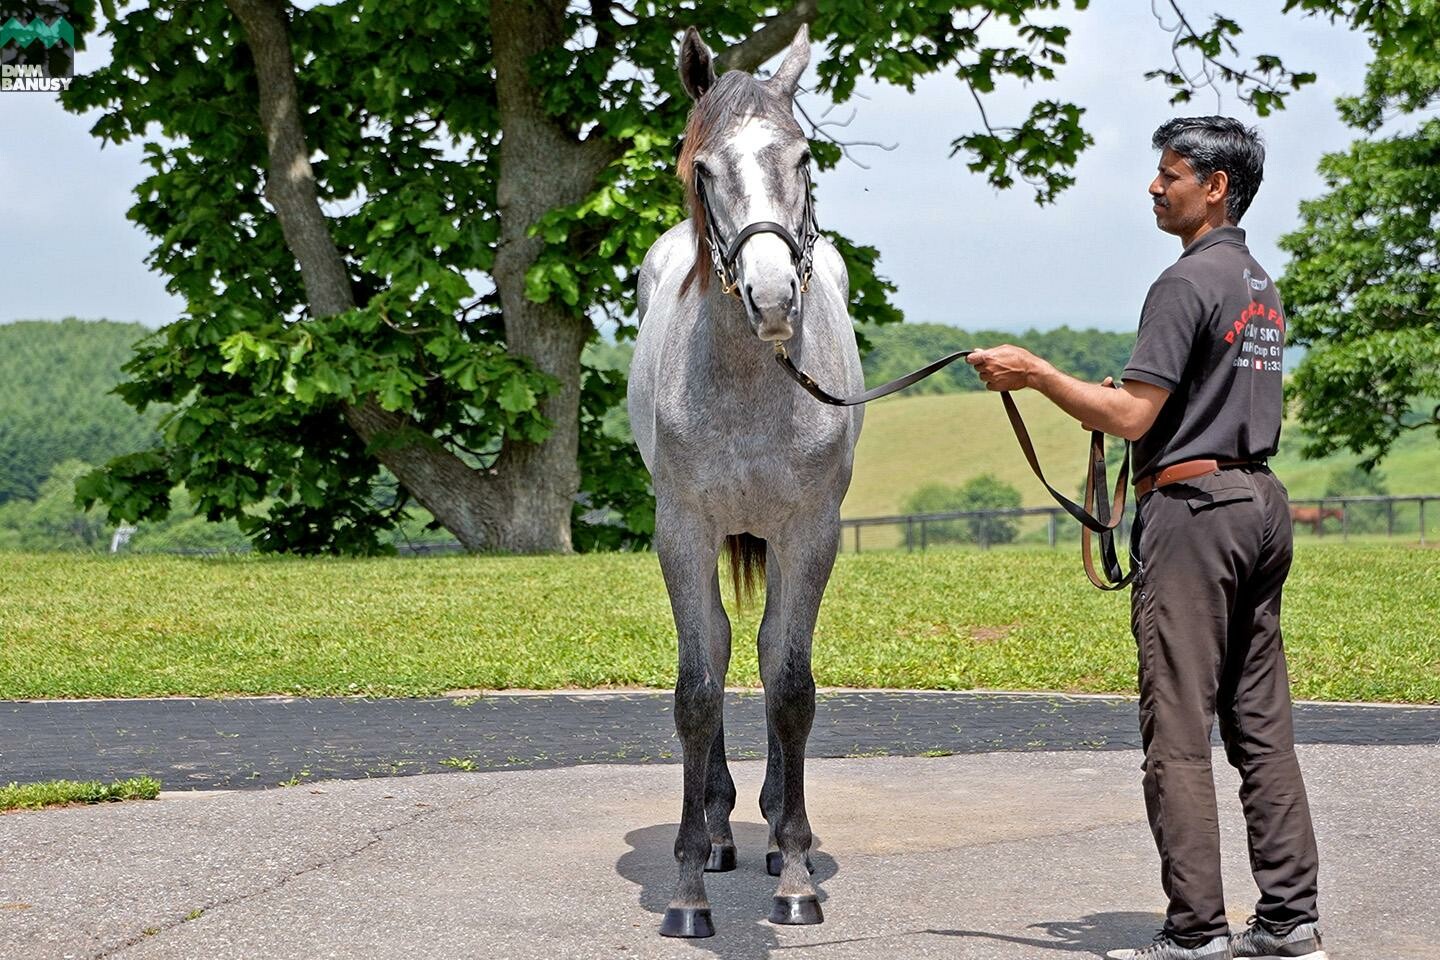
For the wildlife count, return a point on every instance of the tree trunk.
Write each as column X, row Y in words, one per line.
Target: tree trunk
column 542, row 166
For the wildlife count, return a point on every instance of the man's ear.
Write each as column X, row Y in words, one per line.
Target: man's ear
column 1217, row 187
column 696, row 65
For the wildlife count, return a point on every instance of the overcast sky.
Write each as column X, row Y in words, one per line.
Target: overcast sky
column 960, row 252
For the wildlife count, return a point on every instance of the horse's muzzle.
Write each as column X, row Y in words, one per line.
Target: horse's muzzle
column 773, row 318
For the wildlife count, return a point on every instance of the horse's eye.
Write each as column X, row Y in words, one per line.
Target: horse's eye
column 700, row 169
column 804, row 159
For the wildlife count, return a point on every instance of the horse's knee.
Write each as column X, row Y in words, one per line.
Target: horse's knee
column 698, row 701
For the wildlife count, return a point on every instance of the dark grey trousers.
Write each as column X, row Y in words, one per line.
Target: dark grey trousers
column 1205, row 611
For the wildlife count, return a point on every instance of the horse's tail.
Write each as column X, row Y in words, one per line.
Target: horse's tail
column 747, row 559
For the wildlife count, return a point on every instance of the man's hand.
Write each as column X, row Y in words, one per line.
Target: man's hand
column 1006, row 367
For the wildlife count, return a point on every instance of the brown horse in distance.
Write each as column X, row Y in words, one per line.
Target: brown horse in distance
column 1315, row 516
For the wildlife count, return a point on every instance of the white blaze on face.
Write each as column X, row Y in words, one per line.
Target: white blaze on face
column 764, row 260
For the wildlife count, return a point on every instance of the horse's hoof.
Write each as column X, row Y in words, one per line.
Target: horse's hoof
column 722, row 858
column 796, row 910
column 687, row 922
column 774, row 860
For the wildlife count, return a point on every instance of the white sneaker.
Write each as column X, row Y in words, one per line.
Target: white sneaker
column 1257, row 943
column 1164, row 948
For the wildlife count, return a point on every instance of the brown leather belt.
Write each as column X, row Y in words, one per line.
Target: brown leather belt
column 1187, row 470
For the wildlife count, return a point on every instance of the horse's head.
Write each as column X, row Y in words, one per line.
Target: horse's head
column 746, row 168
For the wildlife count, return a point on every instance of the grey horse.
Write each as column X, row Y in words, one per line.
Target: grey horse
column 741, row 458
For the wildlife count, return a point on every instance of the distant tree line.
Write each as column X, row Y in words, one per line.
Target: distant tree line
column 896, row 350
column 56, row 402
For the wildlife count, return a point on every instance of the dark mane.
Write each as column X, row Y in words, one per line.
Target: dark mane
column 735, row 94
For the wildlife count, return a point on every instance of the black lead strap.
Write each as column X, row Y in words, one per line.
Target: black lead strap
column 1102, row 522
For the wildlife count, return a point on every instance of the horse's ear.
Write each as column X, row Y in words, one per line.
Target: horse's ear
column 696, row 65
column 797, row 58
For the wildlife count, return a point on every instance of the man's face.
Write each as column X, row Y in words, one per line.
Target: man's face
column 1180, row 200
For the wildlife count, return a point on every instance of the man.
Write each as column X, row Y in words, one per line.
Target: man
column 1202, row 402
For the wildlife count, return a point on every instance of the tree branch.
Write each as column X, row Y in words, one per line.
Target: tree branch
column 769, row 39
column 290, row 180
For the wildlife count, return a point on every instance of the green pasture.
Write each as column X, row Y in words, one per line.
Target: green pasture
column 1360, row 624
column 948, row 438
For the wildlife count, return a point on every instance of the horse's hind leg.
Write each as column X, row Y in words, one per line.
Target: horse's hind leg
column 719, row 785
column 688, row 553
column 790, row 712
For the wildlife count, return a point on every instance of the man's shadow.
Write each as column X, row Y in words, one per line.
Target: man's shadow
column 1093, row 934
column 739, row 900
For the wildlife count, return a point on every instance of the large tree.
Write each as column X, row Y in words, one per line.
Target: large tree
column 394, row 225
column 1363, row 289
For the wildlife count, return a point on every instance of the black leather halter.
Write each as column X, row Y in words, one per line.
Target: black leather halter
column 724, row 255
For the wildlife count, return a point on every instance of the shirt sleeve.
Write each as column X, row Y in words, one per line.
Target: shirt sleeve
column 1169, row 322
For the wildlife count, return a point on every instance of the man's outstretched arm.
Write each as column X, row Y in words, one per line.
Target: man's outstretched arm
column 1127, row 412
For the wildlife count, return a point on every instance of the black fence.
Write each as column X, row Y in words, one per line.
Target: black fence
column 1370, row 516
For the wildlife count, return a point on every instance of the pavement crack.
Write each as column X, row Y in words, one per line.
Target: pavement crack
column 377, row 836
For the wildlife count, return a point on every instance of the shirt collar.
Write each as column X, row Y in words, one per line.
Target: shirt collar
column 1226, row 234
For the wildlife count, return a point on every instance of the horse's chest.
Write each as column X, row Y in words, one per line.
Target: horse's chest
column 743, row 456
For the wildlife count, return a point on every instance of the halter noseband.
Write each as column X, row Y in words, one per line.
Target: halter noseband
column 723, row 256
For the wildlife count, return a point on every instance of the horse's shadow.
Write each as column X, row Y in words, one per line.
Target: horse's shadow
column 739, row 900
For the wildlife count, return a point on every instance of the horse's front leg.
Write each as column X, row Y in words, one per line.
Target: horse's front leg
column 688, row 551
column 805, row 562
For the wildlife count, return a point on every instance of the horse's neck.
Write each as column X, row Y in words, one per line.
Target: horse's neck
column 730, row 350
column 727, row 347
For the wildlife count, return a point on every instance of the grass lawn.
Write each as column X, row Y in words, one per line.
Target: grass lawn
column 53, row 793
column 1360, row 624
column 949, row 438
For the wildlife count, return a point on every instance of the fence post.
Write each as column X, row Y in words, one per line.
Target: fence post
column 909, row 534
column 857, row 538
column 924, row 539
column 1389, row 518
column 1050, row 524
column 1345, row 520
column 1422, row 521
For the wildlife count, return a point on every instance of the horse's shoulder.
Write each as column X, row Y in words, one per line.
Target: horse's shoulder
column 829, row 263
column 664, row 255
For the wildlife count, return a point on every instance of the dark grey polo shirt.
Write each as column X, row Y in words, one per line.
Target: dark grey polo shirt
column 1212, row 332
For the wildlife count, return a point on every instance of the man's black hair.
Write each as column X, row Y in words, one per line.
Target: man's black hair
column 1218, row 143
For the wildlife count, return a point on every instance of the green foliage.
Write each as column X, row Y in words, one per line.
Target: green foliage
column 983, row 492
column 1355, row 481
column 52, row 521
column 404, row 125
column 55, row 400
column 51, row 793
column 1363, row 291
column 1019, row 619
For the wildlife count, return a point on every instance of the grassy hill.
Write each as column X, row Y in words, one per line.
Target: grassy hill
column 949, row 438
